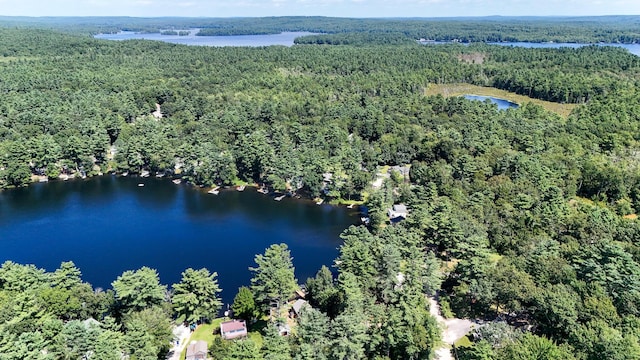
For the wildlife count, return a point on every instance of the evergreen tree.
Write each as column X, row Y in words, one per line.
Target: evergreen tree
column 137, row 290
column 196, row 296
column 273, row 279
column 244, row 305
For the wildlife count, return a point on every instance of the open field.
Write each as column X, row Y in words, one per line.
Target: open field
column 448, row 90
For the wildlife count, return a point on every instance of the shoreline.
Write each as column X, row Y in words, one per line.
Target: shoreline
column 352, row 205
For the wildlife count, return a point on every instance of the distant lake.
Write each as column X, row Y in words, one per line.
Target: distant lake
column 285, row 38
column 107, row 225
column 633, row 48
column 502, row 103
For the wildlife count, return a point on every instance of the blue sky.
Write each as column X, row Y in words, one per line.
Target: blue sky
column 342, row 8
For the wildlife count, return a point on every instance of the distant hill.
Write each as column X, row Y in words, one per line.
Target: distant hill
column 592, row 29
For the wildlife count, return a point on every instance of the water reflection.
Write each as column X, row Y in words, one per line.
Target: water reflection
column 108, row 225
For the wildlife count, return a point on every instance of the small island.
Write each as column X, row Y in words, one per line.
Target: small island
column 175, row 32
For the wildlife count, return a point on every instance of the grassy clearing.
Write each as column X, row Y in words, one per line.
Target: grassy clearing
column 206, row 332
column 203, row 332
column 463, row 342
column 448, row 90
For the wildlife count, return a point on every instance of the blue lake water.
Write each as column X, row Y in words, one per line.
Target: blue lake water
column 107, row 225
column 285, row 38
column 632, row 48
column 502, row 103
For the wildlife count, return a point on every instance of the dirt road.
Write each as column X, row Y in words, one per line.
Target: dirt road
column 452, row 330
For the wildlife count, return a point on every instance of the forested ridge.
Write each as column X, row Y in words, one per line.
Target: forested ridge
column 608, row 29
column 521, row 218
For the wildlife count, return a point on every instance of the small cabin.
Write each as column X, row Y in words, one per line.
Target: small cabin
column 197, row 350
column 297, row 306
column 233, row 329
column 398, row 212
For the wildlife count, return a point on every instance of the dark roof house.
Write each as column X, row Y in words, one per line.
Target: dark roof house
column 298, row 305
column 197, row 350
column 233, row 329
column 398, row 211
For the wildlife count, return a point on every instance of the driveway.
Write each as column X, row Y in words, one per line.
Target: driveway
column 181, row 334
column 452, row 330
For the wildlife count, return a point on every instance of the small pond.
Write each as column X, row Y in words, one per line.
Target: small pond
column 502, row 103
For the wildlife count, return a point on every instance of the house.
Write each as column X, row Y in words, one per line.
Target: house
column 300, row 293
column 298, row 305
column 197, row 350
column 233, row 329
column 284, row 329
column 398, row 212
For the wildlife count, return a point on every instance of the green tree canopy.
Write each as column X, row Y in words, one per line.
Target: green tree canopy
column 273, row 278
column 195, row 297
column 139, row 289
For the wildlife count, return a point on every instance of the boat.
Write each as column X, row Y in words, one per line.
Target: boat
column 278, row 198
column 240, row 188
column 140, row 185
column 144, row 173
column 263, row 191
column 126, row 173
column 214, row 191
column 177, row 181
column 319, row 202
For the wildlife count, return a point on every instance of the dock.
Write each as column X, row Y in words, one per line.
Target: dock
column 319, row 202
column 214, row 191
column 263, row 191
column 278, row 198
column 177, row 181
column 241, row 188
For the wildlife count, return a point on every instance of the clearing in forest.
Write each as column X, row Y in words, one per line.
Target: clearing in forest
column 448, row 90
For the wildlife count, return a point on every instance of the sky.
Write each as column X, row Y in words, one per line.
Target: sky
column 340, row 8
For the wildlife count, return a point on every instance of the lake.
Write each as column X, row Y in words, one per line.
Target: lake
column 285, row 38
column 502, row 103
column 632, row 48
column 109, row 224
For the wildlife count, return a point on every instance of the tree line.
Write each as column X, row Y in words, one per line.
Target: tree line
column 520, row 219
column 608, row 29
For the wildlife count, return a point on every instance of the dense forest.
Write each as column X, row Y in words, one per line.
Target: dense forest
column 608, row 29
column 522, row 220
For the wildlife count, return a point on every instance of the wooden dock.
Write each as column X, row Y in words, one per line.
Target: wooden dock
column 278, row 198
